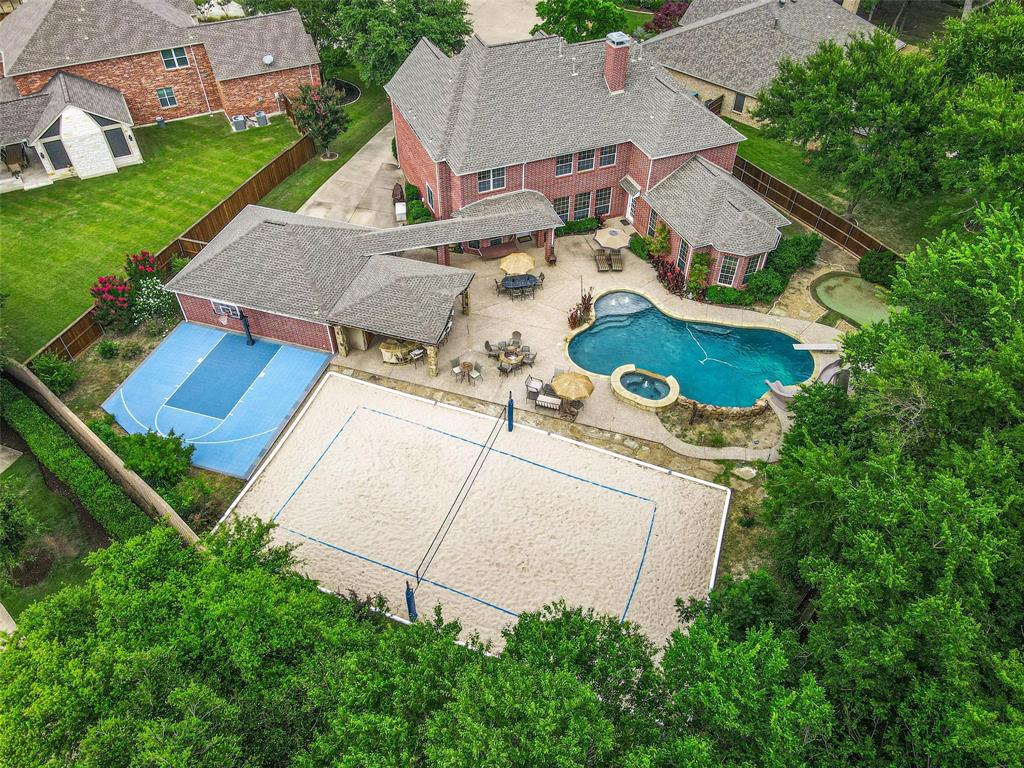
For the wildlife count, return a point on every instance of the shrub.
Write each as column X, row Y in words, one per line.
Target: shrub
column 190, row 497
column 669, row 275
column 793, row 253
column 660, row 242
column 878, row 267
column 130, row 350
column 107, row 349
column 15, row 527
column 700, row 267
column 721, row 294
column 577, row 226
column 666, row 17
column 638, row 244
column 112, row 302
column 650, row 5
column 59, row 453
column 55, row 372
column 766, row 285
column 140, row 265
column 178, row 263
column 161, row 461
column 579, row 314
column 394, row 148
column 412, row 192
column 417, row 213
column 151, row 300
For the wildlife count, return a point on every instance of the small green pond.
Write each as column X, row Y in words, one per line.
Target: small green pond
column 851, row 296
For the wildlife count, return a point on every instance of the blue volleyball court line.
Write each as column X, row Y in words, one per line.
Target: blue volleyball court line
column 396, row 569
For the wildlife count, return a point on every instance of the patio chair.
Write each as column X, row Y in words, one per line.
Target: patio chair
column 456, row 365
column 476, row 373
column 516, row 293
column 517, row 338
column 491, row 351
column 540, row 281
column 417, row 356
column 616, row 261
column 529, row 291
column 530, row 358
column 533, row 387
column 504, row 369
column 525, row 348
column 601, row 260
column 498, row 289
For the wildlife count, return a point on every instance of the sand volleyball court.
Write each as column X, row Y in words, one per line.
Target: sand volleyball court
column 378, row 487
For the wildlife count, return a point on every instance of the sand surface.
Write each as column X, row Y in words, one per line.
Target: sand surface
column 367, row 478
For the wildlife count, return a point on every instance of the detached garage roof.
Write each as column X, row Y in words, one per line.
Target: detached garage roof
column 26, row 118
column 707, row 205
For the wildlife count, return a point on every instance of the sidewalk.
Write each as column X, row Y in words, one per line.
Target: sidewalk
column 360, row 191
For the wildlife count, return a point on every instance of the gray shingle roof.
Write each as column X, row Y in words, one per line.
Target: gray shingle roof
column 321, row 270
column 236, row 47
column 499, row 105
column 740, row 43
column 25, row 118
column 707, row 205
column 45, row 34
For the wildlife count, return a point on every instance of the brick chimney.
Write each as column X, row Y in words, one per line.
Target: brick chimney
column 616, row 60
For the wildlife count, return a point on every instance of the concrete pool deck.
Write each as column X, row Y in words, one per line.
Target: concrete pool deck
column 542, row 322
column 366, row 477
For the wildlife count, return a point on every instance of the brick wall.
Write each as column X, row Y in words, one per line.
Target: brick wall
column 138, row 78
column 262, row 324
column 418, row 167
column 706, row 91
column 246, row 95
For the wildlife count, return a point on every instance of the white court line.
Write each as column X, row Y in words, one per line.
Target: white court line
column 156, row 416
column 284, row 438
column 233, row 407
column 120, row 393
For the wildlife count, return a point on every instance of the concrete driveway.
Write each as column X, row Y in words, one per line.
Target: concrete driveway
column 502, row 21
column 360, row 191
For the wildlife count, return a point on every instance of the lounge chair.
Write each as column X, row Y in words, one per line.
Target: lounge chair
column 548, row 401
column 616, row 261
column 491, row 351
column 601, row 260
column 476, row 373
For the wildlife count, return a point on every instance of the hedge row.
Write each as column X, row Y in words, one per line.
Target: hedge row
column 577, row 226
column 58, row 451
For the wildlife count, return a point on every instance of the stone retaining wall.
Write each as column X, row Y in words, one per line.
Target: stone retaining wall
column 725, row 412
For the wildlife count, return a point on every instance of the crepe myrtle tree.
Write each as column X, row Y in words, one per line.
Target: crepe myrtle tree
column 321, row 116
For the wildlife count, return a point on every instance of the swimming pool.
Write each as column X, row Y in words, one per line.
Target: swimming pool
column 715, row 364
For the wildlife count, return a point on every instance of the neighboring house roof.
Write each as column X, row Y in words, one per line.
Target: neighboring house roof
column 47, row 34
column 320, row 270
column 236, row 47
column 26, row 118
column 498, row 105
column 739, row 44
column 707, row 205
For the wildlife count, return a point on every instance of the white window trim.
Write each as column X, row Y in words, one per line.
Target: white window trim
column 174, row 58
column 225, row 309
column 721, row 269
column 159, row 98
column 752, row 268
column 593, row 161
column 590, row 205
column 430, row 196
column 571, row 165
column 568, row 207
column 652, row 223
column 490, row 180
column 615, row 156
column 611, row 195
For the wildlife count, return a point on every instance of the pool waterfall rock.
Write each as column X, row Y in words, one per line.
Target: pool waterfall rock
column 644, row 389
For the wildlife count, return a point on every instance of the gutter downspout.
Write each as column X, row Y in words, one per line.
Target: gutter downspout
column 199, row 76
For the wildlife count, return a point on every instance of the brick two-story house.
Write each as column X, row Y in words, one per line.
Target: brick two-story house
column 598, row 128
column 156, row 55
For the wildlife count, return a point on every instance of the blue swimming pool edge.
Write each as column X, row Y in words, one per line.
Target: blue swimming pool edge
column 816, row 357
column 313, row 393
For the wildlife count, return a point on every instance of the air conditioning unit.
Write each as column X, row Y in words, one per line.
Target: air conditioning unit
column 261, row 119
column 239, row 123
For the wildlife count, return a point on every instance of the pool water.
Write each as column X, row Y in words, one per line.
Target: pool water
column 645, row 386
column 714, row 364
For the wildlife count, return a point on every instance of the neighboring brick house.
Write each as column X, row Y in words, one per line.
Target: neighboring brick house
column 594, row 127
column 156, row 54
column 732, row 48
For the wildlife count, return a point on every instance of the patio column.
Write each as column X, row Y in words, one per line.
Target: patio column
column 465, row 302
column 538, row 238
column 442, row 255
column 432, row 359
column 549, row 246
column 339, row 337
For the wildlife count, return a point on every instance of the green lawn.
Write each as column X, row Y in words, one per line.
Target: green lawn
column 636, row 19
column 61, row 537
column 901, row 225
column 367, row 116
column 56, row 240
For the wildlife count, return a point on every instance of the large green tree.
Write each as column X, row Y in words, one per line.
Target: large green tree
column 578, row 20
column 318, row 16
column 988, row 41
column 379, row 34
column 866, row 110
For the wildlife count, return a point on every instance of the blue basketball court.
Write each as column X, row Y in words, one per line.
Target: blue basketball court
column 227, row 399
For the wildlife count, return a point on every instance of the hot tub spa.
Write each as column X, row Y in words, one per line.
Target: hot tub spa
column 644, row 389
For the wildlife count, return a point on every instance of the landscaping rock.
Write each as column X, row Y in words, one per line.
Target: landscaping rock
column 747, row 473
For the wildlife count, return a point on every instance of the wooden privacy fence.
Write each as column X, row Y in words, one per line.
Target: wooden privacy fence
column 79, row 336
column 808, row 211
column 715, row 105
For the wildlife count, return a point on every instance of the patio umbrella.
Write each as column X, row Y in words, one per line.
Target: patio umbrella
column 517, row 264
column 572, row 386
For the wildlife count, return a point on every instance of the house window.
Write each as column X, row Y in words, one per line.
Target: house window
column 563, row 165
column 53, row 130
column 681, row 255
column 603, row 202
column 561, row 206
column 59, row 158
column 608, row 155
column 581, row 206
column 751, row 268
column 430, row 197
column 228, row 310
column 474, row 244
column 728, row 272
column 174, row 58
column 738, row 102
column 585, row 160
column 495, row 241
column 117, row 142
column 166, row 97
column 490, row 180
column 652, row 224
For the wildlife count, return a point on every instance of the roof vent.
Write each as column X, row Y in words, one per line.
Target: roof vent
column 268, row 59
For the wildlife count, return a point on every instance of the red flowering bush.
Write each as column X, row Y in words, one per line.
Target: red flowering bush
column 141, row 264
column 666, row 17
column 579, row 314
column 112, row 297
column 670, row 276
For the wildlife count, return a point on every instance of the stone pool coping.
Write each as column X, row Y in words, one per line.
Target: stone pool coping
column 637, row 400
column 820, row 359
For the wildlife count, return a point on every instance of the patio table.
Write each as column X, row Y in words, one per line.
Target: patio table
column 518, row 281
column 614, row 238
